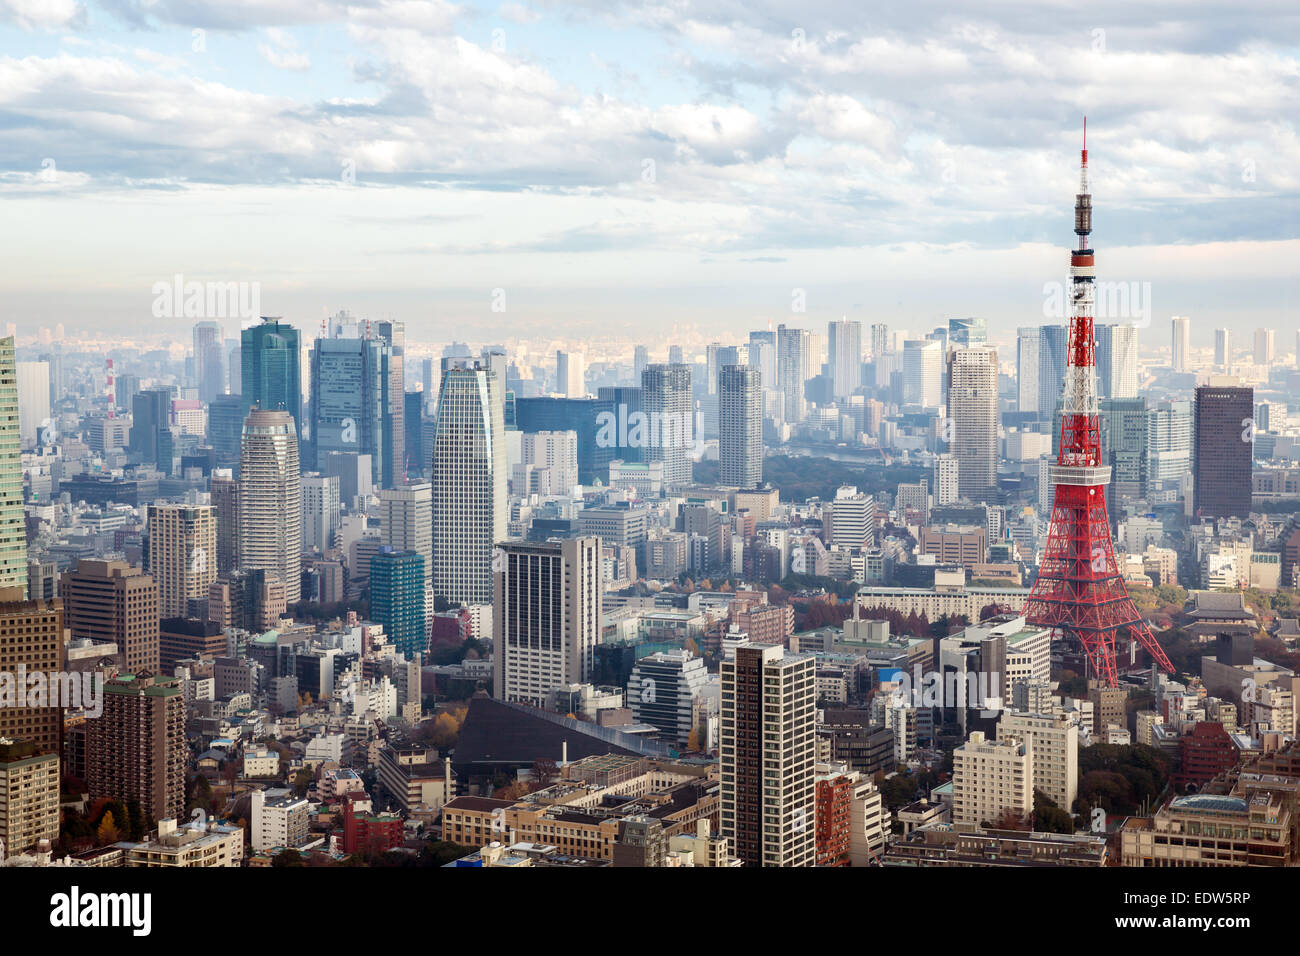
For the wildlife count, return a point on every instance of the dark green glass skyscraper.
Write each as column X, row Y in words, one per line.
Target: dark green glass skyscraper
column 271, row 370
column 397, row 599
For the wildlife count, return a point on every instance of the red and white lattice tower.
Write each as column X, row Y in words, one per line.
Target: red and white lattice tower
column 1080, row 592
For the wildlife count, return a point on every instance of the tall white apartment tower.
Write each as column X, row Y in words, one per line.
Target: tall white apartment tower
column 320, row 511
column 270, row 498
column 406, row 521
column 794, row 355
column 13, row 523
column 1117, row 360
column 1181, row 344
column 768, row 750
column 845, row 354
column 946, row 480
column 973, row 414
column 740, row 426
column 182, row 554
column 546, row 617
column 470, row 506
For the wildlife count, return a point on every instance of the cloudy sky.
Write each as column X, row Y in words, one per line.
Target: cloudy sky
column 609, row 168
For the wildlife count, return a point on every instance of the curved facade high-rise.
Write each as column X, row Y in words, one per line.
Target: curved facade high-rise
column 470, row 506
column 270, row 499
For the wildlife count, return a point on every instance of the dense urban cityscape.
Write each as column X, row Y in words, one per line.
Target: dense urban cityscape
column 832, row 588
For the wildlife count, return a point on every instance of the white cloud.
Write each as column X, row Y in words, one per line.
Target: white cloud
column 43, row 14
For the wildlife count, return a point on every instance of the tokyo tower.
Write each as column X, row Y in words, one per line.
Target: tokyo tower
column 1080, row 592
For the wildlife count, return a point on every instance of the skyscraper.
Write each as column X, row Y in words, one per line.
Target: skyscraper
column 1116, row 357
column 152, row 441
column 394, row 335
column 1052, row 343
column 1222, row 349
column 224, row 428
column 740, row 426
column 767, row 751
column 271, row 373
column 1124, row 446
column 223, row 492
column 712, row 366
column 1181, row 344
column 33, row 399
column 270, row 499
column 209, row 359
column 320, row 511
column 13, row 522
column 351, row 402
column 640, row 359
column 762, row 355
column 1224, row 452
column 1169, row 449
column 406, row 521
column 397, row 599
column 469, row 483
column 1264, row 346
column 546, row 617
column 922, row 373
column 794, row 359
column 973, row 412
column 626, row 405
column 111, row 602
column 1027, row 368
column 670, row 424
column 182, row 554
column 845, row 338
column 570, row 374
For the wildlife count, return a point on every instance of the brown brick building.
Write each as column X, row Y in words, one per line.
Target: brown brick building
column 31, row 637
column 111, row 601
column 136, row 750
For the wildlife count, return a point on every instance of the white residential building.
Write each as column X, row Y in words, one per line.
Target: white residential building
column 992, row 778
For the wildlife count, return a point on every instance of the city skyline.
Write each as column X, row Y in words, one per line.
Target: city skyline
column 578, row 436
